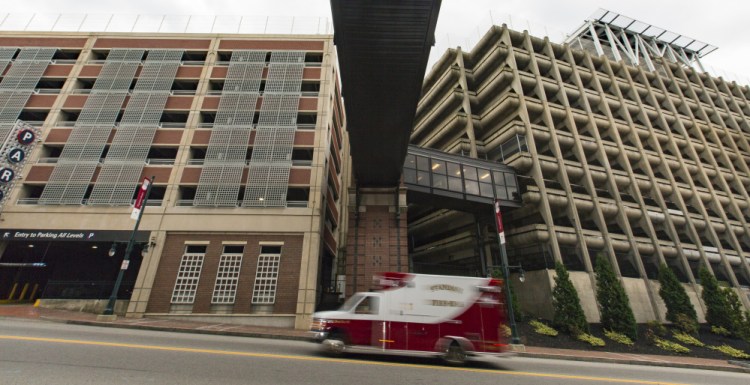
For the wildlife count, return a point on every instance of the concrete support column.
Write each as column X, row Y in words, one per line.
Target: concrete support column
column 377, row 238
column 146, row 275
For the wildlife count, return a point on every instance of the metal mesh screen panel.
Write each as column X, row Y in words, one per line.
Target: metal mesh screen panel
column 80, row 156
column 6, row 55
column 271, row 161
column 19, row 82
column 220, row 179
column 121, row 171
column 236, row 109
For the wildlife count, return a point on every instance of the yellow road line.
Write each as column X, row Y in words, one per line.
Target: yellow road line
column 339, row 360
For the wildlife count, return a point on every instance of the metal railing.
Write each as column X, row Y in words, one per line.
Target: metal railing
column 189, row 203
column 35, row 201
column 149, row 23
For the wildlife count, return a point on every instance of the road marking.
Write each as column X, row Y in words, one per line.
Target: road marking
column 326, row 359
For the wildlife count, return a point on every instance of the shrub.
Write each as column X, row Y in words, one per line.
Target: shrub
column 656, row 328
column 720, row 331
column 591, row 340
column 674, row 295
column 718, row 312
column 569, row 316
column 670, row 346
column 618, row 337
column 736, row 314
column 687, row 339
column 686, row 324
column 507, row 332
column 614, row 305
column 730, row 351
column 517, row 313
column 543, row 329
column 746, row 327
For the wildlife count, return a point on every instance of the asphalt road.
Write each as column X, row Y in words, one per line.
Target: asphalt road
column 39, row 352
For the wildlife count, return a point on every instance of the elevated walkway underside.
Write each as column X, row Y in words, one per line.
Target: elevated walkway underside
column 383, row 48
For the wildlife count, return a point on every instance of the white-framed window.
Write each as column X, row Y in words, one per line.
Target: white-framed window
column 266, row 276
column 188, row 274
column 228, row 275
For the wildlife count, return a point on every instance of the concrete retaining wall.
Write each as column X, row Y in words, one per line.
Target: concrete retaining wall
column 535, row 296
column 95, row 306
column 271, row 320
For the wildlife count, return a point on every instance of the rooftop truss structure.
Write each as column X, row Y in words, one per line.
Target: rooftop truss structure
column 622, row 38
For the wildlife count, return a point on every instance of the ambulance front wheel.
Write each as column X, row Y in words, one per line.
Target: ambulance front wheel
column 455, row 355
column 335, row 344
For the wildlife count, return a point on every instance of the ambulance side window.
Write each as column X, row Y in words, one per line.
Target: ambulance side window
column 369, row 305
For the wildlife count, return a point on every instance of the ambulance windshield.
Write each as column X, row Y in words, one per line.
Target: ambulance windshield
column 351, row 302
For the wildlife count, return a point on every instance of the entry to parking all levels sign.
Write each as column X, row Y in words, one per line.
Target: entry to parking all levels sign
column 139, row 199
column 499, row 222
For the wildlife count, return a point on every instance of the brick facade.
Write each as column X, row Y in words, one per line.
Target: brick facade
column 287, row 285
column 375, row 243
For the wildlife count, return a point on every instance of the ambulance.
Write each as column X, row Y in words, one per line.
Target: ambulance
column 453, row 318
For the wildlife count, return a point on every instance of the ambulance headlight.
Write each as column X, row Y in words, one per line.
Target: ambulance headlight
column 318, row 324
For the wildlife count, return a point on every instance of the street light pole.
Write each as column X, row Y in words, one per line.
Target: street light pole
column 110, row 309
column 506, row 275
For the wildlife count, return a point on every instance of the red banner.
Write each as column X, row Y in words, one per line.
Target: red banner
column 499, row 222
column 139, row 199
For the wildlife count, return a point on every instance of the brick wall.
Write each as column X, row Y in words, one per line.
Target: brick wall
column 377, row 248
column 287, row 285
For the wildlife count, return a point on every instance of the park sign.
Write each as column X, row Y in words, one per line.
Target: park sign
column 15, row 150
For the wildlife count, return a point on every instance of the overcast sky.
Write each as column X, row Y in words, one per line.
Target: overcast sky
column 718, row 22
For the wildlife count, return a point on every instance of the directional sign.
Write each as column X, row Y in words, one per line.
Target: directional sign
column 14, row 151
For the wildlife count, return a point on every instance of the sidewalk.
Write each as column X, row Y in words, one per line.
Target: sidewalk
column 78, row 318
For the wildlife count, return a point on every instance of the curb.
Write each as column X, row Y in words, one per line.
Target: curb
column 744, row 364
column 182, row 330
column 743, row 369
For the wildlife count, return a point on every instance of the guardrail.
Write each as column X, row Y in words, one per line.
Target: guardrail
column 35, row 201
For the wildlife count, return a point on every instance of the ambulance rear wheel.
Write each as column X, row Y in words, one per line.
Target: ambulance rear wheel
column 455, row 355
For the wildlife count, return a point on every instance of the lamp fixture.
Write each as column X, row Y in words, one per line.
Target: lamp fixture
column 112, row 250
column 146, row 247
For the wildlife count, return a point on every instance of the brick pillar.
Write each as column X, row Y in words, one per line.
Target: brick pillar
column 377, row 236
